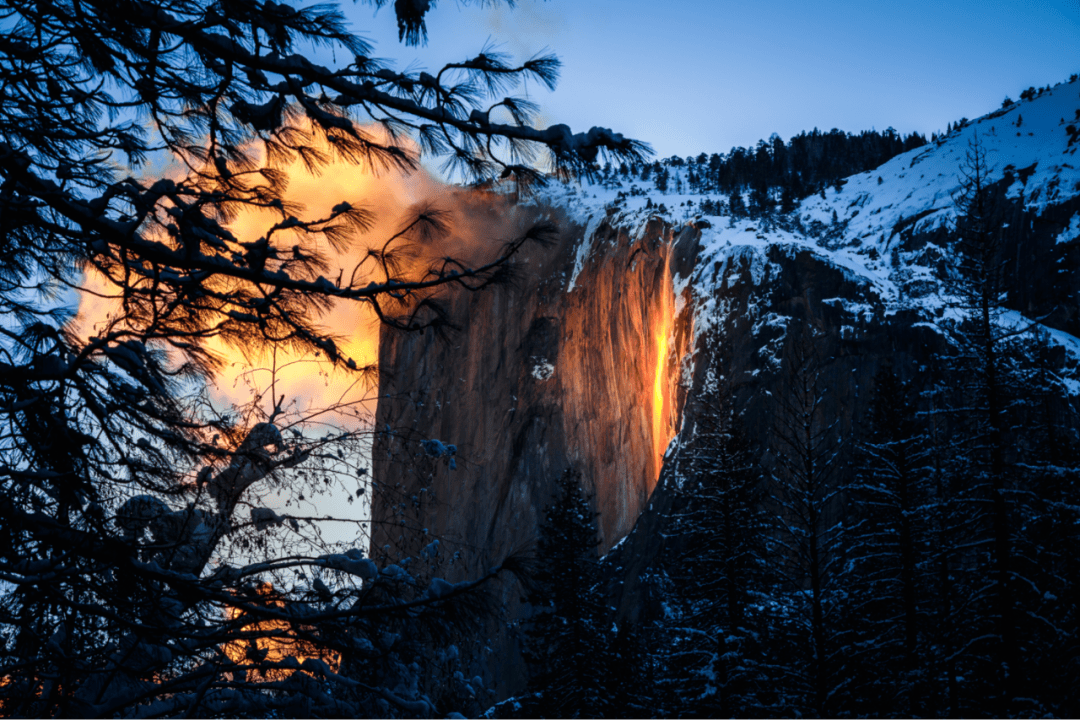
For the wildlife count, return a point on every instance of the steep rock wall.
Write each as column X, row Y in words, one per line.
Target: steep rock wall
column 569, row 369
column 586, row 363
column 576, row 365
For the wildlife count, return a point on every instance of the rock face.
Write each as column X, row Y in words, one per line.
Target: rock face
column 764, row 300
column 538, row 379
column 576, row 365
column 593, row 360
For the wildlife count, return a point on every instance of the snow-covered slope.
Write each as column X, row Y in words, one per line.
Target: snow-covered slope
column 884, row 229
column 1028, row 141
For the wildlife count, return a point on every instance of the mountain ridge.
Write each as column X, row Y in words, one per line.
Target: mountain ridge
column 564, row 370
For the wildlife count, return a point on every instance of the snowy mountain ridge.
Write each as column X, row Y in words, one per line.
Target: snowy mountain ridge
column 882, row 228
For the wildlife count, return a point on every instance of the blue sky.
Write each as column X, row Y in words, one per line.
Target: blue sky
column 691, row 76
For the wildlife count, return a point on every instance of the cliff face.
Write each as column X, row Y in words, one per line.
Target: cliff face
column 596, row 357
column 576, row 365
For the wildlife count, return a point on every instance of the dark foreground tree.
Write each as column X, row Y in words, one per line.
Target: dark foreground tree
column 888, row 575
column 983, row 340
column 1049, row 546
column 717, row 569
column 569, row 641
column 1013, row 439
column 132, row 544
column 809, row 544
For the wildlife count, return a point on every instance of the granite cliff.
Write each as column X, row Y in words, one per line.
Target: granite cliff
column 593, row 360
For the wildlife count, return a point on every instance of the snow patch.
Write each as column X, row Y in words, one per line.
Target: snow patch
column 584, row 248
column 1072, row 232
column 542, row 369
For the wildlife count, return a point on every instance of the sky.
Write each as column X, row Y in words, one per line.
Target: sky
column 692, row 76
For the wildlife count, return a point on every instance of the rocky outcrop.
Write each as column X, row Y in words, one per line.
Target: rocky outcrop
column 766, row 298
column 590, row 361
column 538, row 378
column 575, row 365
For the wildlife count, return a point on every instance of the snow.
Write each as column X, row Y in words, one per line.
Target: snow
column 1072, row 232
column 1071, row 344
column 913, row 192
column 353, row 563
column 542, row 369
column 921, row 183
column 261, row 517
column 436, row 448
column 584, row 248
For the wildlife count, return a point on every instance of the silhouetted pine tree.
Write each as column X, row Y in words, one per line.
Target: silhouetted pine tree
column 715, row 660
column 736, row 204
column 984, row 365
column 1044, row 492
column 568, row 639
column 661, row 179
column 131, row 517
column 1012, row 485
column 805, row 494
column 891, row 516
column 761, row 202
column 631, row 675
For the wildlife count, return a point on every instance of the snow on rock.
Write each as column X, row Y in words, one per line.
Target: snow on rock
column 858, row 229
column 542, row 369
column 1072, row 232
column 583, row 249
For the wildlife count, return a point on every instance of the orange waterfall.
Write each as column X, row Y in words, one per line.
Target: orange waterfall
column 663, row 426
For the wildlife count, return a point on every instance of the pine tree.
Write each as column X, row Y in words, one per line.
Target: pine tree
column 717, row 568
column 1044, row 493
column 1007, row 472
column 788, row 199
column 630, row 680
column 661, row 178
column 736, row 205
column 983, row 342
column 761, row 202
column 568, row 637
column 892, row 513
column 805, row 494
column 130, row 516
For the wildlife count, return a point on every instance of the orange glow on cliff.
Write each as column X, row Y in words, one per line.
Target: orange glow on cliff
column 662, row 422
column 659, row 394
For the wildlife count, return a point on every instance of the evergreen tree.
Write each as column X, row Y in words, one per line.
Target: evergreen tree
column 630, row 675
column 736, row 205
column 568, row 637
column 788, row 199
column 1015, row 470
column 717, row 568
column 983, row 361
column 131, row 523
column 891, row 517
column 1045, row 494
column 761, row 202
column 661, row 178
column 805, row 494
